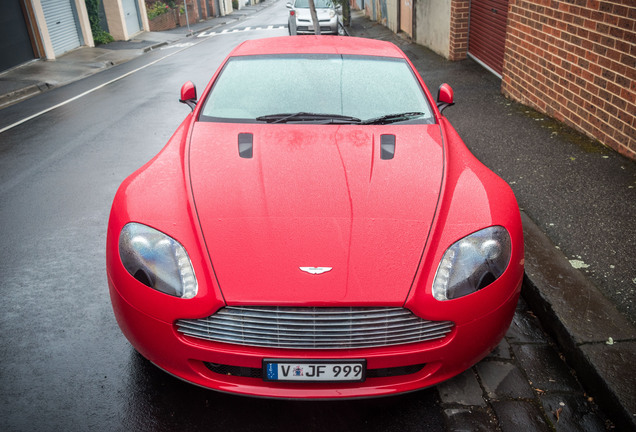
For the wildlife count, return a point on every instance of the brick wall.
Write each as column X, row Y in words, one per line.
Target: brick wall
column 575, row 60
column 193, row 15
column 163, row 22
column 174, row 19
column 458, row 46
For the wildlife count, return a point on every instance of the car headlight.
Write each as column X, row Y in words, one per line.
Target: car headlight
column 472, row 263
column 157, row 260
column 332, row 13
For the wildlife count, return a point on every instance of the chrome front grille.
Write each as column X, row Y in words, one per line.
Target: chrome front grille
column 314, row 328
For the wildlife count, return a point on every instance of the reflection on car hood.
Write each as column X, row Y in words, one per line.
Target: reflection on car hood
column 315, row 196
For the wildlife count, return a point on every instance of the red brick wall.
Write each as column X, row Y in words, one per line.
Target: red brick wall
column 174, row 19
column 163, row 22
column 575, row 60
column 460, row 12
column 193, row 15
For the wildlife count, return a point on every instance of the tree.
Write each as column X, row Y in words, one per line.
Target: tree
column 346, row 11
column 100, row 36
column 314, row 17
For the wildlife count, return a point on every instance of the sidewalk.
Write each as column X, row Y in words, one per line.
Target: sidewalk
column 578, row 203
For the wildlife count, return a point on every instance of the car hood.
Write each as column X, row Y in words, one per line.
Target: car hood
column 315, row 196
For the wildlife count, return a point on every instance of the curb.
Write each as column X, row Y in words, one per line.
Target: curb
column 154, row 47
column 23, row 93
column 596, row 340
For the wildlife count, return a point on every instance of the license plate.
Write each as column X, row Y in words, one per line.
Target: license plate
column 314, row 370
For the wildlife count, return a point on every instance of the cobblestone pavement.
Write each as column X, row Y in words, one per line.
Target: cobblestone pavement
column 524, row 384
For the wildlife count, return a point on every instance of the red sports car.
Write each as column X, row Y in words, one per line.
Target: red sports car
column 315, row 228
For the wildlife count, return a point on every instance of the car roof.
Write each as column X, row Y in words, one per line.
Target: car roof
column 318, row 45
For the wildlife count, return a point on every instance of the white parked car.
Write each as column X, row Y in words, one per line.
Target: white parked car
column 300, row 15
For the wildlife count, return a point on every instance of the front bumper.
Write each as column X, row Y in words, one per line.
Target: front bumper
column 235, row 369
column 326, row 27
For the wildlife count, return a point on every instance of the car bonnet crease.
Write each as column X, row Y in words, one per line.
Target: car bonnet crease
column 315, row 196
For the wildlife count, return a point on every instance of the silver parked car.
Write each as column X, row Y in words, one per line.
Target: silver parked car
column 300, row 15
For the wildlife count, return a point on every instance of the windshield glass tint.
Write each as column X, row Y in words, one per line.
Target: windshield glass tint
column 357, row 86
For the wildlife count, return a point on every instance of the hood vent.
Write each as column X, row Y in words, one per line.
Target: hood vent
column 387, row 147
column 246, row 145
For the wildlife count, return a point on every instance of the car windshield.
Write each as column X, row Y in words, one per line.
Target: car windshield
column 257, row 88
column 320, row 4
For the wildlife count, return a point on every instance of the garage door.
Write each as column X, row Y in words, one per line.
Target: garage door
column 487, row 32
column 61, row 20
column 15, row 44
column 131, row 12
column 406, row 16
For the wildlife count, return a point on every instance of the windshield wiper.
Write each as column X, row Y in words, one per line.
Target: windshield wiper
column 392, row 118
column 307, row 116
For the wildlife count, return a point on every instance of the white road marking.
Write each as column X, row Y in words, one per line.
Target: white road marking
column 207, row 34
column 179, row 45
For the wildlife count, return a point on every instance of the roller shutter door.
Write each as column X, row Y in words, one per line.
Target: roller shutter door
column 62, row 24
column 487, row 32
column 131, row 12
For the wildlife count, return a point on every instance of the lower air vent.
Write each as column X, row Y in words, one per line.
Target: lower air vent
column 247, row 372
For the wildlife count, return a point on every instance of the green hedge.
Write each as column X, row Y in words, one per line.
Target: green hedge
column 99, row 35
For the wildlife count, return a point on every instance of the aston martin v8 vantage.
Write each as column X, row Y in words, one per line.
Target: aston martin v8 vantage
column 315, row 228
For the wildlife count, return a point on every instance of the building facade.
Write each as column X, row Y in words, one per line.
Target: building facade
column 46, row 29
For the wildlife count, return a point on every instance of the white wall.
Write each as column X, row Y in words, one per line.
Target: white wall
column 392, row 19
column 433, row 25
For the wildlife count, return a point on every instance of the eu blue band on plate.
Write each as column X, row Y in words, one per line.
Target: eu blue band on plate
column 272, row 371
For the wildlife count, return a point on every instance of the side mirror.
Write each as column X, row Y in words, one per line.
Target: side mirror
column 444, row 97
column 189, row 95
